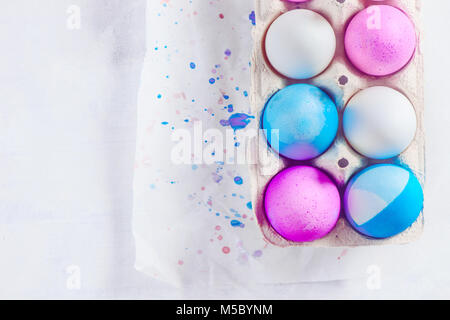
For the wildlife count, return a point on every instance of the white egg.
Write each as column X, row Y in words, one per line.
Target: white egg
column 379, row 122
column 300, row 44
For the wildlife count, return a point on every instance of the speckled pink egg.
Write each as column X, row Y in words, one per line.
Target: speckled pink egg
column 380, row 40
column 302, row 203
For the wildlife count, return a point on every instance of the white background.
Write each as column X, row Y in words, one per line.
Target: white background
column 67, row 140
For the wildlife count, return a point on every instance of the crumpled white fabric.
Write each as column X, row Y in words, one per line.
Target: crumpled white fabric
column 184, row 214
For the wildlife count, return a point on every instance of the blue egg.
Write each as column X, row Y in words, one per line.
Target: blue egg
column 307, row 120
column 383, row 200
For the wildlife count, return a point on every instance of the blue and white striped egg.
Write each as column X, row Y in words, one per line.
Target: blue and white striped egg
column 383, row 200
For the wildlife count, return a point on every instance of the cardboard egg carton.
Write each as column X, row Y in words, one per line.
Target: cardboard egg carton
column 341, row 81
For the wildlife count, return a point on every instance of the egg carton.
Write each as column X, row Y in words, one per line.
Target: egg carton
column 341, row 81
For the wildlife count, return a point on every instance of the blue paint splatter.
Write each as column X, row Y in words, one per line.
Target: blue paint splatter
column 249, row 205
column 238, row 180
column 230, row 108
column 164, row 123
column 237, row 121
column 252, row 18
column 192, row 65
column 212, row 80
column 159, row 96
column 236, row 223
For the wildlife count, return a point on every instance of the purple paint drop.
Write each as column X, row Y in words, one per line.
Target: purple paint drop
column 237, row 121
column 257, row 253
column 216, row 177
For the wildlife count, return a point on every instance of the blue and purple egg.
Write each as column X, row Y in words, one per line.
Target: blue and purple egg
column 383, row 200
column 301, row 121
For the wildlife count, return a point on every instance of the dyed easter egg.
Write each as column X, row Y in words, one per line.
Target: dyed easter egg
column 302, row 204
column 300, row 121
column 300, row 44
column 383, row 200
column 380, row 40
column 379, row 122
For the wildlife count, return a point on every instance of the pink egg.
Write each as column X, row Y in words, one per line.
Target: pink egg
column 302, row 204
column 380, row 40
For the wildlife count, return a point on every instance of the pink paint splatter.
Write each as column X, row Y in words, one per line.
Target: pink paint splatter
column 343, row 253
column 226, row 250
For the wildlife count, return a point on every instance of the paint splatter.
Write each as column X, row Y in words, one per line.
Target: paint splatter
column 249, row 205
column 252, row 18
column 257, row 254
column 238, row 180
column 212, row 80
column 343, row 253
column 228, row 52
column 217, row 177
column 235, row 223
column 192, row 65
column 237, row 121
column 226, row 250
